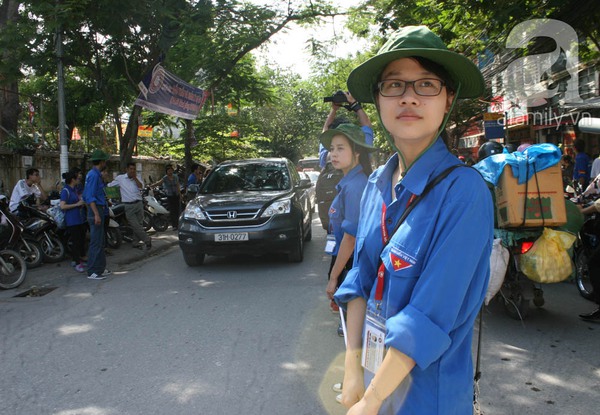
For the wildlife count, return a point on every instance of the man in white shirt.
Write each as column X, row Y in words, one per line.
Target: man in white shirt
column 31, row 185
column 130, row 186
column 595, row 167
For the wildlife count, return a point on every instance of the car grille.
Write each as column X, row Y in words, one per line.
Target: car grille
column 224, row 218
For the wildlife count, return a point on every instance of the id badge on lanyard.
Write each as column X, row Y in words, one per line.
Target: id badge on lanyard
column 373, row 350
column 330, row 244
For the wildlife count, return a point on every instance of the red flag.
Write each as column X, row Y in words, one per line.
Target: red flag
column 398, row 263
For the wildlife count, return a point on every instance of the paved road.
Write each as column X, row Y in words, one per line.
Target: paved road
column 236, row 336
column 249, row 336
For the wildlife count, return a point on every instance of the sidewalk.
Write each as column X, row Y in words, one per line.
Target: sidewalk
column 60, row 274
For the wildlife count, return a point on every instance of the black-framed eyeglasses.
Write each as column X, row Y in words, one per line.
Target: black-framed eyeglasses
column 425, row 87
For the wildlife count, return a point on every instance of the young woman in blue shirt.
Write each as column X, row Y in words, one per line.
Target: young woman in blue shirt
column 349, row 153
column 413, row 293
column 74, row 209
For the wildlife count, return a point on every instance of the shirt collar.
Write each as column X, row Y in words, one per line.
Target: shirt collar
column 420, row 172
column 356, row 170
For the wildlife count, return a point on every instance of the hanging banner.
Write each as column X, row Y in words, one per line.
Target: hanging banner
column 161, row 91
column 145, row 131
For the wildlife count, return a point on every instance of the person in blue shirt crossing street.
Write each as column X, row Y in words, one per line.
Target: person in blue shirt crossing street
column 414, row 291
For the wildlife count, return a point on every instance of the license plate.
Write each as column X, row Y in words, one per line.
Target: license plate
column 231, row 237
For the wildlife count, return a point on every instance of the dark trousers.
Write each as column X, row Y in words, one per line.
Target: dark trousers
column 77, row 241
column 96, row 255
column 174, row 205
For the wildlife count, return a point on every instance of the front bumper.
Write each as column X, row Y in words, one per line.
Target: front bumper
column 277, row 235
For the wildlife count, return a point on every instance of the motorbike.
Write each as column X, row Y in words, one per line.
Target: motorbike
column 588, row 240
column 29, row 249
column 155, row 214
column 41, row 228
column 117, row 212
column 517, row 290
column 13, row 267
column 114, row 236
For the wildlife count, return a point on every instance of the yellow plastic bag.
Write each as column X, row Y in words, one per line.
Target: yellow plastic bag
column 548, row 260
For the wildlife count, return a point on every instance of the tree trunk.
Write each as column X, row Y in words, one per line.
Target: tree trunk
column 129, row 139
column 9, row 96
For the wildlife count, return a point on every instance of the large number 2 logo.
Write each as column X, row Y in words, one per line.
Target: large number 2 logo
column 541, row 76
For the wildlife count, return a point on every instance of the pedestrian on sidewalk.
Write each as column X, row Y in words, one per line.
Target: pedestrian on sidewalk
column 418, row 281
column 130, row 186
column 95, row 198
column 74, row 209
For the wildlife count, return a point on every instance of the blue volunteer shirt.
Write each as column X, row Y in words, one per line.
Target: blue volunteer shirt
column 93, row 190
column 73, row 216
column 345, row 208
column 436, row 275
column 582, row 167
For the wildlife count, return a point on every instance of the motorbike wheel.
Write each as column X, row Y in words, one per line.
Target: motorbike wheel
column 53, row 248
column 160, row 223
column 516, row 306
column 114, row 238
column 31, row 253
column 538, row 297
column 582, row 274
column 13, row 269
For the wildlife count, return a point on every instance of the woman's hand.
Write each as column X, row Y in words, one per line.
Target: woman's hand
column 363, row 408
column 354, row 388
column 331, row 287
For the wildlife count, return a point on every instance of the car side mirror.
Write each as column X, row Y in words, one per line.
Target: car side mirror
column 193, row 189
column 304, row 184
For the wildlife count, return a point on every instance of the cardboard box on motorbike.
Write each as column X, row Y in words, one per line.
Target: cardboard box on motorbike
column 514, row 199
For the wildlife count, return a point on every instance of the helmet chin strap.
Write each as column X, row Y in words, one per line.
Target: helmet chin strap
column 390, row 139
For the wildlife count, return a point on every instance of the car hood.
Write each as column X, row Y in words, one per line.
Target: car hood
column 238, row 200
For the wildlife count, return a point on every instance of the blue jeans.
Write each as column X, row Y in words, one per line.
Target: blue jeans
column 96, row 256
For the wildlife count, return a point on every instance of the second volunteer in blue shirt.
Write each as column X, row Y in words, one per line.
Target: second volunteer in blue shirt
column 349, row 153
column 411, row 303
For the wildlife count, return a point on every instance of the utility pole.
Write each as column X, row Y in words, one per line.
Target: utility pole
column 64, row 148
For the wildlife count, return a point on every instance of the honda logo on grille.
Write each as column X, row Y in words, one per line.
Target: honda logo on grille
column 232, row 214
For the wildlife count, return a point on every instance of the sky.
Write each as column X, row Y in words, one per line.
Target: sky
column 287, row 49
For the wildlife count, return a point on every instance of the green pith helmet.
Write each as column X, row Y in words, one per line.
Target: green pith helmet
column 353, row 132
column 412, row 41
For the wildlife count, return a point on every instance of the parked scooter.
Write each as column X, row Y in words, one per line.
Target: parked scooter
column 155, row 215
column 117, row 213
column 29, row 249
column 13, row 267
column 40, row 227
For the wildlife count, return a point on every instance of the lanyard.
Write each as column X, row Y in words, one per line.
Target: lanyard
column 385, row 236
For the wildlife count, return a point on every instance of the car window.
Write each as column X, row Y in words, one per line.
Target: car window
column 247, row 177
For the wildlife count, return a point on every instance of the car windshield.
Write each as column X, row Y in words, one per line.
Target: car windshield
column 247, row 177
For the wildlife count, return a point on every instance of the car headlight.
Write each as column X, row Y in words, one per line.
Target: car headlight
column 193, row 211
column 278, row 207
